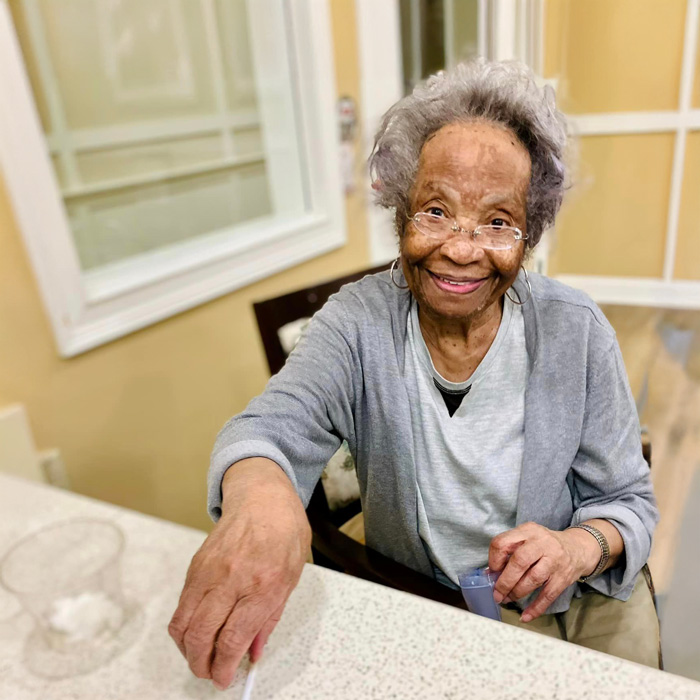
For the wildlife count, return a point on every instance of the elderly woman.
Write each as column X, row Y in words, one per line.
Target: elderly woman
column 488, row 411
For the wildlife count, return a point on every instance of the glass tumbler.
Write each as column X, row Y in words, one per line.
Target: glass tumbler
column 67, row 576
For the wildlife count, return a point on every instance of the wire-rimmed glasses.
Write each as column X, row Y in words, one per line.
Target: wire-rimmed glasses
column 488, row 236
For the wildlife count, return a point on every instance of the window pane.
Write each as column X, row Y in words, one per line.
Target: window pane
column 615, row 56
column 235, row 47
column 161, row 157
column 613, row 221
column 152, row 115
column 121, row 224
column 119, row 62
column 687, row 265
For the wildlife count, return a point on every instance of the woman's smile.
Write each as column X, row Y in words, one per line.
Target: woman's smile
column 456, row 285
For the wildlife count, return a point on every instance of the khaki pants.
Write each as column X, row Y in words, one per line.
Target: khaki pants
column 628, row 629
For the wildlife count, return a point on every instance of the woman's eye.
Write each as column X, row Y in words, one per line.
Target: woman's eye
column 435, row 211
column 499, row 222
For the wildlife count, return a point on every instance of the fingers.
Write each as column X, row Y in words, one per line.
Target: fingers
column 202, row 631
column 234, row 640
column 535, row 577
column 503, row 545
column 551, row 591
column 524, row 557
column 260, row 640
column 190, row 598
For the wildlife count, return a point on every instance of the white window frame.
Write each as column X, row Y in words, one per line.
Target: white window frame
column 89, row 309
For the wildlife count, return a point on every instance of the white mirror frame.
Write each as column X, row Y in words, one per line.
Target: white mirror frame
column 89, row 309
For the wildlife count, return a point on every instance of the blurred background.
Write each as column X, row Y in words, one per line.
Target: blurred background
column 167, row 163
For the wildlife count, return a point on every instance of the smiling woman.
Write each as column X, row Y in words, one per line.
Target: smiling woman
column 488, row 414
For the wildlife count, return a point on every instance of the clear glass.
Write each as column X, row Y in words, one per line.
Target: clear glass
column 67, row 578
column 489, row 237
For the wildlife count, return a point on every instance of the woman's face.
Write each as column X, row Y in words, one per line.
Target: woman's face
column 475, row 173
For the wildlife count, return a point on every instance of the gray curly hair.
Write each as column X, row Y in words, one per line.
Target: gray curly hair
column 501, row 92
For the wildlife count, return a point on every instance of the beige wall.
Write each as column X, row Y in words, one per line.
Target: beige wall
column 613, row 221
column 135, row 419
column 615, row 56
column 688, row 245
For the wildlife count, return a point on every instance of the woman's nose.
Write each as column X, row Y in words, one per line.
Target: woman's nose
column 462, row 249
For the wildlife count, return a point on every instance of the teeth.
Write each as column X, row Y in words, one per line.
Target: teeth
column 451, row 282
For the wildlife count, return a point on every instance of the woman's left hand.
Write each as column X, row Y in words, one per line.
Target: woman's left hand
column 531, row 556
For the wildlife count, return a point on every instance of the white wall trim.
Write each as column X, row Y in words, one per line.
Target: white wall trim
column 86, row 310
column 634, row 122
column 381, row 73
column 637, row 291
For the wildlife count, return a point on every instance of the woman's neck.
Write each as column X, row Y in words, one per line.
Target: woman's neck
column 457, row 347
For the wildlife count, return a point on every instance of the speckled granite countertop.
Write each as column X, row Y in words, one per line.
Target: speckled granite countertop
column 340, row 638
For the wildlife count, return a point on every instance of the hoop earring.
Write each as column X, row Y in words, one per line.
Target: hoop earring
column 529, row 289
column 391, row 274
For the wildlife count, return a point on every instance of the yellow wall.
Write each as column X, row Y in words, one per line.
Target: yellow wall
column 687, row 265
column 135, row 420
column 615, row 55
column 613, row 221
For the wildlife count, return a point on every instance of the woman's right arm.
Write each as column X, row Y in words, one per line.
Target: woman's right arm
column 241, row 577
column 265, row 464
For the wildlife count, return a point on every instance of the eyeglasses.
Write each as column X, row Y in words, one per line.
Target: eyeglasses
column 489, row 237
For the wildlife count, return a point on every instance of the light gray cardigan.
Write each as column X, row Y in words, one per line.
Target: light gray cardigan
column 582, row 455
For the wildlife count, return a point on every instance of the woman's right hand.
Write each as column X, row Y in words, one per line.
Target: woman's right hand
column 241, row 577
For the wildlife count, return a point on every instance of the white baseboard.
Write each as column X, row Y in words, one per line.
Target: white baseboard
column 637, row 291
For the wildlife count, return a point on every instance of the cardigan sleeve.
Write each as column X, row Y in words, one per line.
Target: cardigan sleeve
column 611, row 480
column 303, row 415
